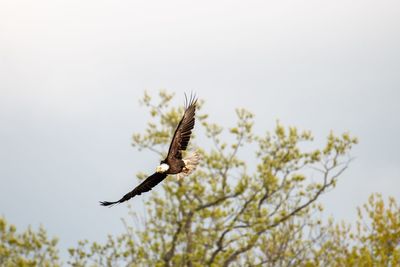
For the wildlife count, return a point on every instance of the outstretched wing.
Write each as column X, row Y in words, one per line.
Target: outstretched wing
column 182, row 133
column 145, row 186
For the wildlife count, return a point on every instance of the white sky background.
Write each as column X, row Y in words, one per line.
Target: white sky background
column 71, row 74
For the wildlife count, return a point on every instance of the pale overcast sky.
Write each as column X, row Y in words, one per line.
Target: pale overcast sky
column 71, row 74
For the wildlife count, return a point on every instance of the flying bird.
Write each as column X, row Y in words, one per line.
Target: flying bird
column 173, row 163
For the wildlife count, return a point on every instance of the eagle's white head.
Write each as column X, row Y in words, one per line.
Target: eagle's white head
column 162, row 168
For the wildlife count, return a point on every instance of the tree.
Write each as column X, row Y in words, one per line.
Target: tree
column 262, row 211
column 226, row 213
column 29, row 248
column 374, row 241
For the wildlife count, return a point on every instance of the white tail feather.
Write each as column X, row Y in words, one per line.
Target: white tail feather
column 191, row 163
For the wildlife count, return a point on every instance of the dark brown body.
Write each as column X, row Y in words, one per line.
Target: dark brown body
column 175, row 166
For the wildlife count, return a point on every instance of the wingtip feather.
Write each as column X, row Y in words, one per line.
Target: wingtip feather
column 191, row 100
column 108, row 203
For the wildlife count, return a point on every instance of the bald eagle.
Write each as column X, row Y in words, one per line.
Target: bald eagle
column 173, row 163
